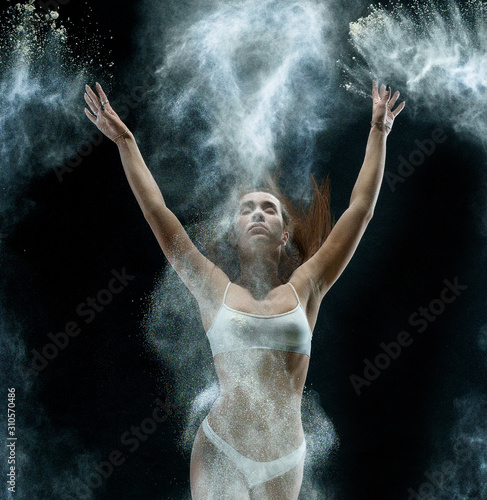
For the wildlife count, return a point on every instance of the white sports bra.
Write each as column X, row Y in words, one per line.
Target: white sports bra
column 234, row 330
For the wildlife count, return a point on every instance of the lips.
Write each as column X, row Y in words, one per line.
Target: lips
column 257, row 226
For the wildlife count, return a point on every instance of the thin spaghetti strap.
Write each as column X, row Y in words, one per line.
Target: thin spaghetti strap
column 294, row 290
column 226, row 290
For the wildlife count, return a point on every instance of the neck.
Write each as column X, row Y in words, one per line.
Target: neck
column 258, row 274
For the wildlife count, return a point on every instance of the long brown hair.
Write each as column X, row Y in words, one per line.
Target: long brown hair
column 308, row 224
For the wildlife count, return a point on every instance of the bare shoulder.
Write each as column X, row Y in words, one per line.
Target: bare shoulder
column 304, row 284
column 210, row 294
column 211, row 285
column 309, row 293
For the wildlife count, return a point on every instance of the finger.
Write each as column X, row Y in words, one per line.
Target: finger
column 91, row 105
column 90, row 116
column 94, row 107
column 399, row 108
column 103, row 96
column 375, row 93
column 101, row 92
column 382, row 91
column 394, row 99
column 93, row 96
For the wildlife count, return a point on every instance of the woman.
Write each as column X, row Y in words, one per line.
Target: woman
column 251, row 445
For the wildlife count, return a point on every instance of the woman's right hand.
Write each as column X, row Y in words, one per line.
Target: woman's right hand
column 383, row 103
column 107, row 120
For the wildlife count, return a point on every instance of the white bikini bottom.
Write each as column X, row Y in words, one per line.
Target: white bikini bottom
column 255, row 472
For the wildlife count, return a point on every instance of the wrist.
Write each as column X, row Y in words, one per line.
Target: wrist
column 123, row 138
column 380, row 126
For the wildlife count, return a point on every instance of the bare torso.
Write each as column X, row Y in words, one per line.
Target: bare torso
column 258, row 411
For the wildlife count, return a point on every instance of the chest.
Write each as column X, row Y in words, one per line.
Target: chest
column 234, row 330
column 274, row 303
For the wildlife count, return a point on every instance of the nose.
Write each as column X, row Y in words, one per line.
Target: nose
column 258, row 216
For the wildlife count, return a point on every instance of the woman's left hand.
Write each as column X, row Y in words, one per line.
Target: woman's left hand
column 382, row 106
column 102, row 114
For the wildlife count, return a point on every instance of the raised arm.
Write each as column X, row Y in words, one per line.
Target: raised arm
column 324, row 268
column 194, row 269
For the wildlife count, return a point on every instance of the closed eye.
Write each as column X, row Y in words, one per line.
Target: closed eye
column 269, row 207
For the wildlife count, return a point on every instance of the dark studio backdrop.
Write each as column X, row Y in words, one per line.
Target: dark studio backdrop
column 405, row 420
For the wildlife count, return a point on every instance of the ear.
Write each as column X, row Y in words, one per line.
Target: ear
column 285, row 237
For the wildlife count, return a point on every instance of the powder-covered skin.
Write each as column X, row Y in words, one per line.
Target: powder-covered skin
column 257, row 75
column 239, row 86
column 175, row 334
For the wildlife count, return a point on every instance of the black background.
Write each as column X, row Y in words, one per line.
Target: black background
column 425, row 231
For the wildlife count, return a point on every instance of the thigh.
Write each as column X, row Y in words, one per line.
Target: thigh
column 285, row 487
column 213, row 476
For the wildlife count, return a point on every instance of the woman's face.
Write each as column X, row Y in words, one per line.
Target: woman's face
column 259, row 221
